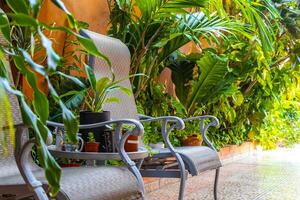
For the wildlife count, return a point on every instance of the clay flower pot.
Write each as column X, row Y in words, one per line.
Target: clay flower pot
column 70, row 165
column 91, row 146
column 192, row 140
column 88, row 117
column 131, row 144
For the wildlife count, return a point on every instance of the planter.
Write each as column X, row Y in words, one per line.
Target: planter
column 70, row 165
column 88, row 117
column 91, row 146
column 131, row 144
column 192, row 140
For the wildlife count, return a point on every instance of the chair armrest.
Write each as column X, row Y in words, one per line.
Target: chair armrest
column 203, row 129
column 120, row 138
column 24, row 163
column 176, row 123
column 143, row 117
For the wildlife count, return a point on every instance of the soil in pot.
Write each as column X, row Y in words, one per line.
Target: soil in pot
column 91, row 146
column 192, row 140
column 87, row 117
column 131, row 144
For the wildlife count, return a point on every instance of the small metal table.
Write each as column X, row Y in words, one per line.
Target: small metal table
column 137, row 155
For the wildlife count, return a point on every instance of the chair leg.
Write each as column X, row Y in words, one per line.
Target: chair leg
column 216, row 184
column 183, row 177
column 182, row 187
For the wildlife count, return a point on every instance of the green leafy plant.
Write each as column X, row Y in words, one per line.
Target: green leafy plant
column 245, row 79
column 22, row 15
column 161, row 28
column 95, row 94
column 99, row 91
column 91, row 137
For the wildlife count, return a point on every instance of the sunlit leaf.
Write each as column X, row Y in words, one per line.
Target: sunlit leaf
column 4, row 25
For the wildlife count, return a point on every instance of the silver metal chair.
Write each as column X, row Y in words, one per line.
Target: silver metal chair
column 190, row 160
column 20, row 177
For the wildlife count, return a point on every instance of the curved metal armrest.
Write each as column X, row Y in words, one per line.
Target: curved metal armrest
column 203, row 128
column 23, row 160
column 138, row 130
column 177, row 123
column 120, row 138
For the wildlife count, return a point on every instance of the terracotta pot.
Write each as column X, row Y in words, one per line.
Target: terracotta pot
column 192, row 140
column 91, row 146
column 87, row 117
column 131, row 144
column 70, row 165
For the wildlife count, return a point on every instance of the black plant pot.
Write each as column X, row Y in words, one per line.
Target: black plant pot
column 88, row 117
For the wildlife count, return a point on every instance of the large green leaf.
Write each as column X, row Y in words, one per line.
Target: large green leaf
column 182, row 73
column 91, row 76
column 212, row 71
column 40, row 101
column 69, row 119
column 90, row 47
column 23, row 20
column 73, row 99
column 19, row 6
column 3, row 64
column 52, row 58
column 72, row 78
column 102, row 85
column 4, row 25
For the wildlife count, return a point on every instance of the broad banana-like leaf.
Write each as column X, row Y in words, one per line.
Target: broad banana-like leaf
column 102, row 85
column 182, row 73
column 212, row 71
column 4, row 25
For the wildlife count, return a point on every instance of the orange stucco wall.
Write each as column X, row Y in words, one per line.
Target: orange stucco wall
column 94, row 12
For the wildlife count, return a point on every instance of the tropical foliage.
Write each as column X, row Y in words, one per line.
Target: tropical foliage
column 95, row 94
column 154, row 29
column 244, row 75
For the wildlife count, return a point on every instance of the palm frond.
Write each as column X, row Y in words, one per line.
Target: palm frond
column 195, row 25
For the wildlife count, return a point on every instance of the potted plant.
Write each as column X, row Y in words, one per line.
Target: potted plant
column 91, row 145
column 153, row 137
column 191, row 136
column 70, row 146
column 132, row 142
column 94, row 96
column 66, row 162
column 193, row 139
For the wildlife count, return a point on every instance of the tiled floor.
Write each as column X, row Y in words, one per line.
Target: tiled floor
column 271, row 175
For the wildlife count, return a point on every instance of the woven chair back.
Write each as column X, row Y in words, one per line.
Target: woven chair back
column 119, row 56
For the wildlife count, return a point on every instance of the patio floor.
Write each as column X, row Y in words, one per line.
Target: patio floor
column 269, row 175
